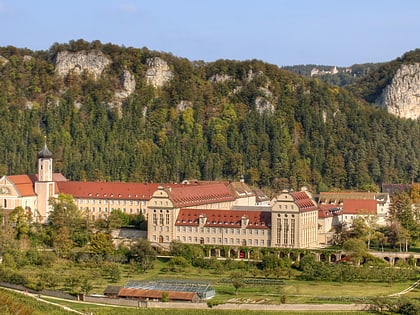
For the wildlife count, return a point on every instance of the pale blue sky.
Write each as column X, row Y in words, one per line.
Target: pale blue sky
column 323, row 32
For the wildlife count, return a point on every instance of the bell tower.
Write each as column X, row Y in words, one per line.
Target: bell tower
column 44, row 186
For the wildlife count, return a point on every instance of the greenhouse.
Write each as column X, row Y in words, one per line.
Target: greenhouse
column 203, row 289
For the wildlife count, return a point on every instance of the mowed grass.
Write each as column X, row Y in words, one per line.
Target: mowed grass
column 108, row 310
column 292, row 291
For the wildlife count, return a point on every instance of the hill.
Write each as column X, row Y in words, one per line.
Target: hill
column 132, row 114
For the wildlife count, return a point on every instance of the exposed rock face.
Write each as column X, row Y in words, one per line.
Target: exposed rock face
column 158, row 73
column 219, row 78
column 183, row 105
column 402, row 96
column 3, row 61
column 128, row 84
column 93, row 62
column 264, row 106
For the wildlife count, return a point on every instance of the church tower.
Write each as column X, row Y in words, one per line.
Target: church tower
column 44, row 186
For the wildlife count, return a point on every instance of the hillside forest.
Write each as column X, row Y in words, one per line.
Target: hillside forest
column 314, row 134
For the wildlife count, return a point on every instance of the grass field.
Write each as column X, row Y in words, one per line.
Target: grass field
column 293, row 291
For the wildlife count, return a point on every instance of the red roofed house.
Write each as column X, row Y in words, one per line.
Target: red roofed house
column 353, row 208
column 376, row 204
column 294, row 221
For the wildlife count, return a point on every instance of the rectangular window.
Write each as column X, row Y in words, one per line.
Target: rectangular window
column 154, row 219
column 167, row 219
column 161, row 219
column 292, row 231
column 279, row 227
column 286, row 232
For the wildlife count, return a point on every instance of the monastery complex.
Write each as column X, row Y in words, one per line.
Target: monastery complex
column 199, row 212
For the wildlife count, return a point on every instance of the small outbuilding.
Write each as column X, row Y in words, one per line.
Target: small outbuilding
column 111, row 291
column 158, row 295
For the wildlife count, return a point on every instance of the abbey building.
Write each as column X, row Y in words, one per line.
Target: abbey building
column 193, row 212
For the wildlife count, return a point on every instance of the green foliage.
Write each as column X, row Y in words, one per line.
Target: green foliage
column 20, row 218
column 316, row 135
column 143, row 254
column 237, row 279
column 101, row 244
column 401, row 305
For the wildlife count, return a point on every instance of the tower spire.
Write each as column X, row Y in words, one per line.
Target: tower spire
column 45, row 153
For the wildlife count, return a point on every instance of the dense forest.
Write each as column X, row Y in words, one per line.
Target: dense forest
column 314, row 134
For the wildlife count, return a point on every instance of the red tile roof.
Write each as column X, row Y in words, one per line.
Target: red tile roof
column 224, row 218
column 326, row 211
column 23, row 184
column 339, row 196
column 107, row 190
column 56, row 177
column 157, row 294
column 303, row 201
column 188, row 196
column 240, row 190
column 359, row 206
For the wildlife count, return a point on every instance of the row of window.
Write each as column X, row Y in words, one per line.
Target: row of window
column 219, row 230
column 99, row 209
column 219, row 240
column 110, row 201
column 285, row 207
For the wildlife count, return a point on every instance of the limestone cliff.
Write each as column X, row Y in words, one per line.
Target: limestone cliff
column 402, row 96
column 93, row 62
column 3, row 61
column 158, row 72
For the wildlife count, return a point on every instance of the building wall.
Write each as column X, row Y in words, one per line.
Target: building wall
column 223, row 236
column 161, row 218
column 291, row 226
column 101, row 208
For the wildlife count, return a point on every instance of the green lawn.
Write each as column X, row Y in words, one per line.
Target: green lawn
column 292, row 291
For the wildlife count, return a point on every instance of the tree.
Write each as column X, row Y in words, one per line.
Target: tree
column 20, row 218
column 237, row 279
column 62, row 242
column 402, row 218
column 101, row 243
column 86, row 286
column 356, row 249
column 117, row 219
column 65, row 213
column 143, row 254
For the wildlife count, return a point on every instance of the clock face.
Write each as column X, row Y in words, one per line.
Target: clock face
column 4, row 190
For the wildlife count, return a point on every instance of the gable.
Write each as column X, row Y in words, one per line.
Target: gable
column 17, row 186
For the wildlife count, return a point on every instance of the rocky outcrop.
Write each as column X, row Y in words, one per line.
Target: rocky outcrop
column 216, row 78
column 3, row 61
column 402, row 96
column 93, row 62
column 264, row 106
column 183, row 105
column 158, row 72
column 128, row 84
